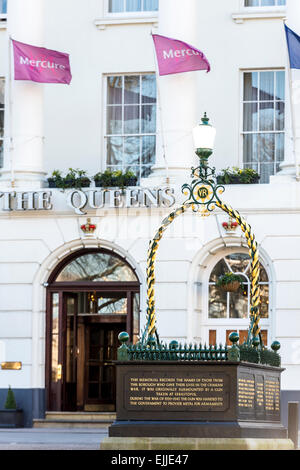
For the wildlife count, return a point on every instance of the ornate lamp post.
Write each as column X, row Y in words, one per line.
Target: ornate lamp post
column 203, row 196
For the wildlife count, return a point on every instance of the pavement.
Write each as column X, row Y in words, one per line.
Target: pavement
column 51, row 439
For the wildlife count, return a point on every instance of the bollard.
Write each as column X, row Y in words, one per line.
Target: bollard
column 293, row 422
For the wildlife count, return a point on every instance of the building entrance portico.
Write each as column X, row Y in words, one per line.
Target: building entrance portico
column 92, row 296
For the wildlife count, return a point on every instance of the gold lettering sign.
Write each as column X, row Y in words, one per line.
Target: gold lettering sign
column 11, row 365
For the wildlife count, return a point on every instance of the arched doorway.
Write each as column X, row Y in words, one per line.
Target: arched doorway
column 92, row 296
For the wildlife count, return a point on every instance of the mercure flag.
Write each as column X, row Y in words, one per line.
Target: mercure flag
column 293, row 42
column 174, row 56
column 40, row 65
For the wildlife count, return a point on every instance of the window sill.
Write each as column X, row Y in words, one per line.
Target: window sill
column 259, row 14
column 103, row 23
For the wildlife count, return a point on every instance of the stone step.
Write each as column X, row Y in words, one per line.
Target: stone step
column 80, row 416
column 75, row 420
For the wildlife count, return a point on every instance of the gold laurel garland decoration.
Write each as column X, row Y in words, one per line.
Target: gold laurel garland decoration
column 255, row 267
column 153, row 247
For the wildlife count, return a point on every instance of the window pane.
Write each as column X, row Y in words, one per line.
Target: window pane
column 266, row 170
column 148, row 89
column 131, row 120
column 132, row 150
column 280, row 86
column 2, row 90
column 267, row 147
column 219, row 269
column 132, row 90
column 279, row 139
column 1, row 153
column 264, row 299
column 251, row 148
column 1, row 123
column 217, row 303
column 238, row 305
column 114, row 90
column 266, row 87
column 96, row 267
column 116, row 6
column 279, row 116
column 146, row 171
column 148, row 150
column 251, row 3
column 114, row 150
column 266, row 117
column 250, row 117
column 148, row 119
column 3, row 7
column 133, row 5
column 150, row 5
column 268, row 3
column 114, row 120
column 238, row 262
column 251, row 86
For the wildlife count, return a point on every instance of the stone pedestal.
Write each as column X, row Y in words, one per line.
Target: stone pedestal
column 198, row 400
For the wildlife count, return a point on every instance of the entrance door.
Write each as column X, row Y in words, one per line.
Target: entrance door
column 86, row 343
column 100, row 378
column 92, row 296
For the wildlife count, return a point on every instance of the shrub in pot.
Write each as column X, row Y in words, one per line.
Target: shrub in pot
column 55, row 180
column 11, row 416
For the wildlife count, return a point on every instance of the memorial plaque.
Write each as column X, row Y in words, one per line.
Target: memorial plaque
column 178, row 392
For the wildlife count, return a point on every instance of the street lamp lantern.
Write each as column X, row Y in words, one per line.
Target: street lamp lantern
column 204, row 138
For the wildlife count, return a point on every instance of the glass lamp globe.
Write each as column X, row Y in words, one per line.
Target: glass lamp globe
column 204, row 138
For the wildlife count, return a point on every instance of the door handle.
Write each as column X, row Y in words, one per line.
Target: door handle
column 59, row 372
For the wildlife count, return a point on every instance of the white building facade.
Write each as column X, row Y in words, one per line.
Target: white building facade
column 67, row 290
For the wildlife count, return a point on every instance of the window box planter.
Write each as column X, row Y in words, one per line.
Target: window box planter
column 11, row 419
column 74, row 179
column 115, row 179
column 238, row 176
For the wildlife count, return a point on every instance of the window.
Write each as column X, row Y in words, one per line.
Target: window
column 2, row 91
column 131, row 123
column 236, row 305
column 264, row 3
column 121, row 6
column 3, row 7
column 264, row 122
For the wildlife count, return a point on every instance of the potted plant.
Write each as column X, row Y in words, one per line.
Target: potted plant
column 130, row 179
column 76, row 178
column 230, row 282
column 55, row 180
column 116, row 178
column 238, row 176
column 11, row 416
column 103, row 179
column 82, row 180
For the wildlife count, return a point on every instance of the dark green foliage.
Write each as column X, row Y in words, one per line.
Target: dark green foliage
column 238, row 176
column 10, row 403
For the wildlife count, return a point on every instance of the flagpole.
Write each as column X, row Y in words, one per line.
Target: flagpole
column 11, row 147
column 292, row 108
column 160, row 113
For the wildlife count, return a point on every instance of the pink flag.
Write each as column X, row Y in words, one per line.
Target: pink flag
column 40, row 65
column 175, row 56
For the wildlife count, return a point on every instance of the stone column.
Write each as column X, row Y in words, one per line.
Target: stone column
column 177, row 113
column 290, row 168
column 23, row 156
